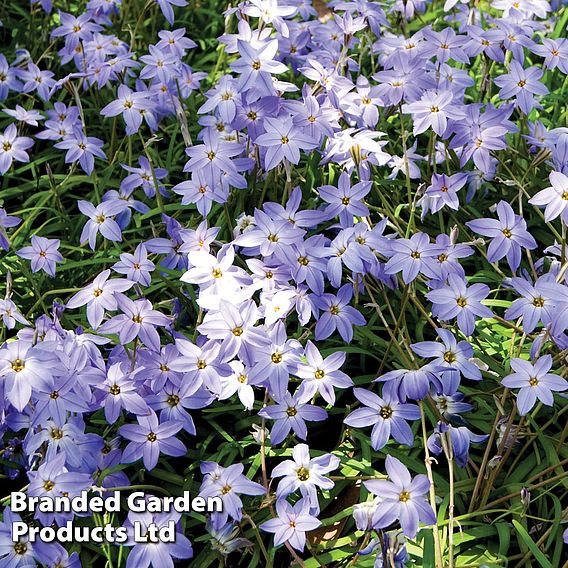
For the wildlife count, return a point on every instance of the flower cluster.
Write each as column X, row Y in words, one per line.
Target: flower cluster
column 338, row 227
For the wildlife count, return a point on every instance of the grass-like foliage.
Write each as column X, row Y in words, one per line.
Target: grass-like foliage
column 307, row 258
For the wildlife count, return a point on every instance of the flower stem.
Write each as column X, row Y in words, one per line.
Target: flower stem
column 428, row 463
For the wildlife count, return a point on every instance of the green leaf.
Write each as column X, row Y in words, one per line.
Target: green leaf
column 537, row 553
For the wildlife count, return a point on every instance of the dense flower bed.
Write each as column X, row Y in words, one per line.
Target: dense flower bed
column 309, row 260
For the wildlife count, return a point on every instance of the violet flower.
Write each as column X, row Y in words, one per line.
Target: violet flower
column 7, row 221
column 283, row 140
column 509, row 235
column 555, row 197
column 433, row 111
column 99, row 296
column 136, row 267
column 321, row 375
column 53, row 479
column 82, row 149
column 290, row 414
column 132, row 105
column 456, row 299
column 256, row 65
column 460, row 439
column 167, row 10
column 388, row 417
column 409, row 256
column 345, row 200
column 101, row 221
column 337, row 314
column 522, row 84
column 138, row 320
column 156, row 553
column 291, row 524
column 21, row 114
column 43, row 254
column 535, row 382
column 150, row 438
column 403, row 498
column 120, row 390
column 227, row 483
column 13, row 148
column 306, row 474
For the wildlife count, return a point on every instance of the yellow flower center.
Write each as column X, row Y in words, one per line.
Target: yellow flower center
column 303, row 474
column 449, row 357
column 386, row 412
column 56, row 433
column 20, row 548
